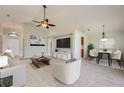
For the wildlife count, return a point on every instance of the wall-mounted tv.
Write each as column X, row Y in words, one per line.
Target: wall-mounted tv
column 63, row 43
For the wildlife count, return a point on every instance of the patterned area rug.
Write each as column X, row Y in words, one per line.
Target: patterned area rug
column 104, row 62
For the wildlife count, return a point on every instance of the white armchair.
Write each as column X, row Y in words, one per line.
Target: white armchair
column 116, row 55
column 68, row 73
column 93, row 53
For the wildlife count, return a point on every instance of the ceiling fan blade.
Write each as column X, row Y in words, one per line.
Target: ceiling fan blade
column 36, row 21
column 38, row 25
column 44, row 23
column 51, row 25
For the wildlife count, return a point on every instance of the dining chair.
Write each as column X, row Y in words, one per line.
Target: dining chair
column 116, row 55
column 93, row 53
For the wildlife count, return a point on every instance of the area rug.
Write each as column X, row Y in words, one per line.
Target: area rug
column 92, row 75
column 104, row 62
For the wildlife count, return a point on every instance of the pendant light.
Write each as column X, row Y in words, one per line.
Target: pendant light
column 103, row 34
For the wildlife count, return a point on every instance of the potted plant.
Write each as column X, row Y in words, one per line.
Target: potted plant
column 90, row 47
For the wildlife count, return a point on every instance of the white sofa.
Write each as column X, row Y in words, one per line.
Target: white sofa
column 14, row 68
column 18, row 72
column 68, row 73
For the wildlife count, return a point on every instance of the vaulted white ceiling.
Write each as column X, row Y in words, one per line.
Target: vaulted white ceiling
column 25, row 13
column 21, row 14
column 74, row 15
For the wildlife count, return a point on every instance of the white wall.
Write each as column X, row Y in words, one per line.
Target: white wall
column 52, row 40
column 31, row 29
column 0, row 39
column 64, row 49
column 49, row 47
column 115, row 31
column 0, row 44
column 12, row 27
column 56, row 34
column 90, row 17
column 75, row 36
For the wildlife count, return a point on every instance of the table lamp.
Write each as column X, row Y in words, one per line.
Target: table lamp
column 8, row 50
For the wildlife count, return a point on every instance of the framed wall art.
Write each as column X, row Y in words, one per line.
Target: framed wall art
column 36, row 40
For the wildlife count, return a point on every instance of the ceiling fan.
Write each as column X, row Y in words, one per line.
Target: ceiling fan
column 44, row 23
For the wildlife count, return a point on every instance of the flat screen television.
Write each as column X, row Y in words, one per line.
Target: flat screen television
column 63, row 43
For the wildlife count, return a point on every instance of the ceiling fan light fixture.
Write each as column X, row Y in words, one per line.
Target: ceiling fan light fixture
column 13, row 34
column 44, row 25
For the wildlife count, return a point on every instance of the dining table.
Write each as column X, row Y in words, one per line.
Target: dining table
column 105, row 52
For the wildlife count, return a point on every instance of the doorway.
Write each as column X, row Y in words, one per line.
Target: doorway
column 82, row 47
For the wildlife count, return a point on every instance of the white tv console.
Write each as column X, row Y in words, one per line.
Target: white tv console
column 62, row 55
